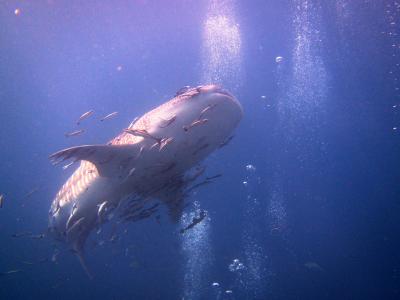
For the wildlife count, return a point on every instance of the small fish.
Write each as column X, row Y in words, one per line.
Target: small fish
column 211, row 106
column 74, row 133
column 109, row 116
column 142, row 133
column 131, row 171
column 85, row 116
column 195, row 221
column 101, row 211
column 165, row 141
column 167, row 121
column 198, row 185
column 141, row 150
column 213, row 177
column 10, row 272
column 30, row 193
column 21, row 234
column 195, row 123
column 154, row 145
column 1, row 200
column 223, row 144
column 73, row 210
column 68, row 165
column 38, row 236
column 133, row 122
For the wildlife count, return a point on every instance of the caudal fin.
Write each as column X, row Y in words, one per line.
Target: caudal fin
column 78, row 251
column 84, row 265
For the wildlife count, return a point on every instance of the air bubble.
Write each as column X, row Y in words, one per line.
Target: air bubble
column 236, row 265
column 250, row 168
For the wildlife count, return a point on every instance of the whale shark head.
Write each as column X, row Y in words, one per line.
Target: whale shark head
column 207, row 91
column 212, row 95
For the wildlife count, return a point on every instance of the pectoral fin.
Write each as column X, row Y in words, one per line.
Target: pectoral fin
column 110, row 160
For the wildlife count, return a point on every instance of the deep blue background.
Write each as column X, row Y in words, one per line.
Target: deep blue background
column 317, row 219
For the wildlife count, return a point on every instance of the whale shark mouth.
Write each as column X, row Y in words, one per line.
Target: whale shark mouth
column 213, row 89
column 203, row 89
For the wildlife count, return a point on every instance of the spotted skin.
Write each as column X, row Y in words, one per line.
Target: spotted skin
column 86, row 173
column 160, row 168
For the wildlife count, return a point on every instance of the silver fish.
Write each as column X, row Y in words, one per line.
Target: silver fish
column 68, row 165
column 74, row 133
column 142, row 133
column 10, row 272
column 85, row 116
column 133, row 122
column 131, row 171
column 101, row 211
column 195, row 123
column 168, row 121
column 165, row 141
column 37, row 236
column 209, row 107
column 109, row 116
column 30, row 193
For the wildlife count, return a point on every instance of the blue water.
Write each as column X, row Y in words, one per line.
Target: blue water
column 308, row 204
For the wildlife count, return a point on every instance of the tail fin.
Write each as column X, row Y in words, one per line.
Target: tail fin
column 78, row 251
column 84, row 266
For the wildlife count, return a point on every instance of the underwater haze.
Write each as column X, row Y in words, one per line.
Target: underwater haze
column 308, row 203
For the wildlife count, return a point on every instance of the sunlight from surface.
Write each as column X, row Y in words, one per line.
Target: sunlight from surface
column 196, row 248
column 308, row 87
column 222, row 45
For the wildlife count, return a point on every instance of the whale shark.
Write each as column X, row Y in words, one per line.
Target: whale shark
column 154, row 161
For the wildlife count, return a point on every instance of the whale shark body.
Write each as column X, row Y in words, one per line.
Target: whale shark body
column 154, row 161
